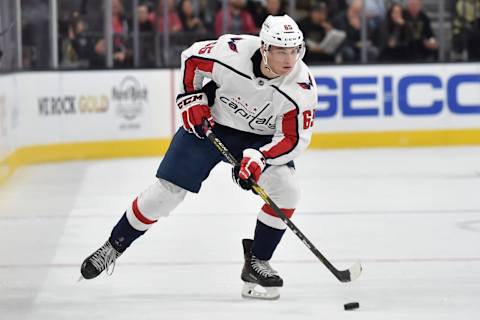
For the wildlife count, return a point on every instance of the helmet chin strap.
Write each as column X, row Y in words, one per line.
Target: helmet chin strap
column 265, row 62
column 265, row 59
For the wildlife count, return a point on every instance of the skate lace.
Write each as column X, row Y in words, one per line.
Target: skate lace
column 104, row 258
column 263, row 268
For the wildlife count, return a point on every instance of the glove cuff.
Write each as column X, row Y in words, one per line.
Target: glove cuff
column 256, row 156
column 189, row 100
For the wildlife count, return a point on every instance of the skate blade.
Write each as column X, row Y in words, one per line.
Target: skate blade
column 80, row 279
column 255, row 291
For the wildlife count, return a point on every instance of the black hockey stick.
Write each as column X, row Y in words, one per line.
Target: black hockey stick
column 343, row 275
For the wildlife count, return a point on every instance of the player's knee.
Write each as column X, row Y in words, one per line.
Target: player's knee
column 290, row 196
column 281, row 184
column 158, row 200
column 287, row 202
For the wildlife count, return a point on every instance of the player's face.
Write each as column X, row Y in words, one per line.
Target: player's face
column 282, row 60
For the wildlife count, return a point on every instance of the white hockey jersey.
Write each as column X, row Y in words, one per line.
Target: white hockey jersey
column 282, row 107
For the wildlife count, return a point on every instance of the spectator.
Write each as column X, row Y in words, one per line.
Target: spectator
column 122, row 55
column 261, row 9
column 77, row 48
column 335, row 7
column 121, row 52
column 145, row 25
column 174, row 22
column 466, row 28
column 422, row 43
column 146, row 41
column 375, row 12
column 190, row 21
column 315, row 28
column 97, row 60
column 239, row 20
column 93, row 11
column 35, row 34
column 275, row 8
column 119, row 23
column 394, row 35
column 206, row 13
column 350, row 22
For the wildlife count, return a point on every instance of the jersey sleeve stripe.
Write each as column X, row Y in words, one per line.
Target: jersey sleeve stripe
column 193, row 64
column 291, row 136
column 289, row 143
column 189, row 74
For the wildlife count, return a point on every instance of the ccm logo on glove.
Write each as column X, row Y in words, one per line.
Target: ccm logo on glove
column 195, row 110
column 187, row 100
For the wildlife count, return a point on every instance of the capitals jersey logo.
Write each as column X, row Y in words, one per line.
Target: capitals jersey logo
column 306, row 85
column 232, row 44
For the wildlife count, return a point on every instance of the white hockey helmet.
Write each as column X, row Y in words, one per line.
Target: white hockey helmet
column 281, row 31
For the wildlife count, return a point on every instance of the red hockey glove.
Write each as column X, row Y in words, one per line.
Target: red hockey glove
column 195, row 110
column 252, row 164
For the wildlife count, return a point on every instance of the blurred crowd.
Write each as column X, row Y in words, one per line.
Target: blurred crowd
column 395, row 31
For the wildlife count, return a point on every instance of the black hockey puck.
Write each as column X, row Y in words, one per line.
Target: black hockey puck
column 351, row 306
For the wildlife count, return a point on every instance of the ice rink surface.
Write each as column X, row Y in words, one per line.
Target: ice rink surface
column 412, row 216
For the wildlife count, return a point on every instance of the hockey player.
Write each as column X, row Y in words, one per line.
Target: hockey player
column 259, row 98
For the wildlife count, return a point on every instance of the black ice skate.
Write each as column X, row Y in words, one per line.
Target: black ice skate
column 99, row 261
column 258, row 274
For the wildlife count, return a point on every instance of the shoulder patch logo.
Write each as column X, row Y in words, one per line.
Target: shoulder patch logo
column 232, row 44
column 306, row 85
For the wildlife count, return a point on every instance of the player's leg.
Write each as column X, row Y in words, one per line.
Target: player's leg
column 158, row 200
column 281, row 185
column 186, row 164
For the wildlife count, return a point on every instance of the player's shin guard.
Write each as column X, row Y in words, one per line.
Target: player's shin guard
column 123, row 234
column 266, row 240
column 155, row 202
column 268, row 232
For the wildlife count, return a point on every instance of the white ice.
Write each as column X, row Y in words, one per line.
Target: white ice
column 412, row 216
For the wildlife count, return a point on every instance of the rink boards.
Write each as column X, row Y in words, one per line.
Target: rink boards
column 49, row 116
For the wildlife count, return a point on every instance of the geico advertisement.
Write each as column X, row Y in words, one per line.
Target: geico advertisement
column 94, row 106
column 386, row 97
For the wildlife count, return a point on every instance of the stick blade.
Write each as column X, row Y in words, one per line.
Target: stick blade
column 350, row 274
column 355, row 271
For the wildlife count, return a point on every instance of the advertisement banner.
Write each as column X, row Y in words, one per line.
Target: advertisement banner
column 397, row 97
column 94, row 106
